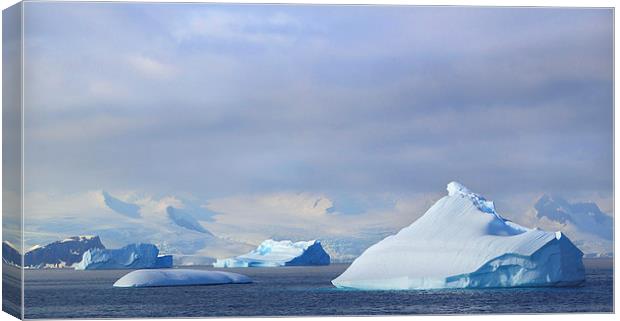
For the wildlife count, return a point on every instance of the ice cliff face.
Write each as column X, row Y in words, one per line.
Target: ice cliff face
column 462, row 242
column 272, row 253
column 133, row 256
column 61, row 253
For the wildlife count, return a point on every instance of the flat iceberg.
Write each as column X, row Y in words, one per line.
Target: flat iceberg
column 462, row 242
column 178, row 277
column 272, row 253
column 132, row 256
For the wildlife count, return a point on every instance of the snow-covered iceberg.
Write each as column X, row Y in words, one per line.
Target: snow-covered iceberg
column 133, row 256
column 61, row 254
column 462, row 242
column 272, row 253
column 178, row 277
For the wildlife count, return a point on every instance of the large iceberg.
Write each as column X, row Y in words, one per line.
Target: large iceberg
column 462, row 242
column 178, row 277
column 272, row 253
column 133, row 256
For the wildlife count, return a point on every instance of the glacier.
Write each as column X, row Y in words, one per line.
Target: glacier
column 272, row 253
column 132, row 256
column 462, row 242
column 178, row 277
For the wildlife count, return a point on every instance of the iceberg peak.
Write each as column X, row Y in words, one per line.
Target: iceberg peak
column 456, row 188
column 484, row 205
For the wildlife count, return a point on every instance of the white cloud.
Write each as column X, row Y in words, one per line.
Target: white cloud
column 150, row 67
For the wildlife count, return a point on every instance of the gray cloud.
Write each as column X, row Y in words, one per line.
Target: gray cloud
column 336, row 100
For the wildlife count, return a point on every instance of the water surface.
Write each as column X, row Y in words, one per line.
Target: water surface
column 291, row 291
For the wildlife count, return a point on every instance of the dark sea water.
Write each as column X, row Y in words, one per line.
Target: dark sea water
column 291, row 291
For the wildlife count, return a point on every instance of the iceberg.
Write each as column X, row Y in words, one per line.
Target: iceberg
column 272, row 253
column 133, row 256
column 462, row 242
column 61, row 254
column 178, row 277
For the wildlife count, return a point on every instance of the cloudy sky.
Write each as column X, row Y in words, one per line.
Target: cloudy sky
column 313, row 117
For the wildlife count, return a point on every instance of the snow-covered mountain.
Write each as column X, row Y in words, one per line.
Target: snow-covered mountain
column 121, row 207
column 462, row 242
column 272, row 253
column 185, row 220
column 173, row 224
column 10, row 254
column 61, row 253
column 589, row 228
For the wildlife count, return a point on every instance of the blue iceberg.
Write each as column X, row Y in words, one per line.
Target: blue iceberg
column 133, row 256
column 272, row 253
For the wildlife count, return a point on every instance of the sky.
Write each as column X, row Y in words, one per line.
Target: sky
column 288, row 119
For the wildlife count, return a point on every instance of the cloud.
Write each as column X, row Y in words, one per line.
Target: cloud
column 304, row 215
column 150, row 67
column 264, row 110
column 222, row 25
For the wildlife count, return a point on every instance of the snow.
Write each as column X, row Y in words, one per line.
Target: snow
column 185, row 220
column 133, row 256
column 124, row 208
column 462, row 242
column 587, row 226
column 80, row 238
column 61, row 253
column 272, row 253
column 179, row 277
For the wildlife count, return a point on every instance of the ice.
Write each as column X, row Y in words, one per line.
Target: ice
column 62, row 253
column 133, row 256
column 462, row 242
column 272, row 253
column 178, row 277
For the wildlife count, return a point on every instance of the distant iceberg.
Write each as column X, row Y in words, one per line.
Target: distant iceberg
column 61, row 254
column 133, row 256
column 178, row 277
column 462, row 242
column 272, row 253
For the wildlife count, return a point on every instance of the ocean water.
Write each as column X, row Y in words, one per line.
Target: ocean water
column 291, row 291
